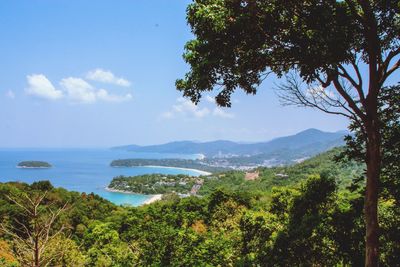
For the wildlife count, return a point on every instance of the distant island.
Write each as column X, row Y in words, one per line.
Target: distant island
column 151, row 184
column 34, row 164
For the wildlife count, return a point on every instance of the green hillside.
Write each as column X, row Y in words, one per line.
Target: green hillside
column 300, row 215
column 288, row 175
column 267, row 178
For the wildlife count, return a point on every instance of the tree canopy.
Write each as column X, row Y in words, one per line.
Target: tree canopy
column 321, row 46
column 239, row 42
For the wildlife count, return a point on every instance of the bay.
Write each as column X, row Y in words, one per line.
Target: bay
column 82, row 170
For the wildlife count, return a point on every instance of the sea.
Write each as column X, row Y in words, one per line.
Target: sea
column 83, row 170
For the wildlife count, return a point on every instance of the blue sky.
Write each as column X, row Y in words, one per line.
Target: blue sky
column 102, row 73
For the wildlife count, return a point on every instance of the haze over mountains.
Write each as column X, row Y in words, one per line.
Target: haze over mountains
column 304, row 144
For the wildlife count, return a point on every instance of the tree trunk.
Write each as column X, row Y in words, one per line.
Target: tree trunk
column 373, row 161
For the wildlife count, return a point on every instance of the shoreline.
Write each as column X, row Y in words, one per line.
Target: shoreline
column 156, row 197
column 151, row 199
column 200, row 172
column 26, row 167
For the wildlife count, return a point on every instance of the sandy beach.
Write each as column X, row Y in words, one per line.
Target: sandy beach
column 119, row 191
column 152, row 198
column 178, row 168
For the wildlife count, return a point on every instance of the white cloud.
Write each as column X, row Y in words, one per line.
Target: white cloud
column 73, row 89
column 80, row 91
column 102, row 94
column 167, row 115
column 185, row 107
column 10, row 94
column 106, row 76
column 219, row 112
column 41, row 87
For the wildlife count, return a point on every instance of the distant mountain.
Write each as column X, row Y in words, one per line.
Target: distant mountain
column 304, row 144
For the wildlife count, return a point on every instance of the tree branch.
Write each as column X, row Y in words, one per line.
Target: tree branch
column 348, row 98
column 356, row 85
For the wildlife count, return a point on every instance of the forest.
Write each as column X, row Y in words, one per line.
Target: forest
column 312, row 217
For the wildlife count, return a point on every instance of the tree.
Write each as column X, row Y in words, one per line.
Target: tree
column 106, row 249
column 6, row 257
column 33, row 233
column 389, row 114
column 389, row 191
column 326, row 44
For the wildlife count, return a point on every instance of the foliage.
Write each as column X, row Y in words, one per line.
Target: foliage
column 7, row 258
column 154, row 183
column 237, row 42
column 310, row 218
column 320, row 46
column 285, row 175
column 389, row 190
column 104, row 247
column 65, row 252
column 389, row 112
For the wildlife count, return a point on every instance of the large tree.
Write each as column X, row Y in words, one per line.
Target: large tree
column 337, row 56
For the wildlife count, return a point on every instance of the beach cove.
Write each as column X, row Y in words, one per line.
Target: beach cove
column 85, row 170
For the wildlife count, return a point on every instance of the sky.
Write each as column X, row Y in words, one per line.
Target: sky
column 101, row 73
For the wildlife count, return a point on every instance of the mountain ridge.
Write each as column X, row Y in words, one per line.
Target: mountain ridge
column 305, row 143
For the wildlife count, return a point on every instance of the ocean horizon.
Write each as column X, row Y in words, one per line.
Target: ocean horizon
column 83, row 169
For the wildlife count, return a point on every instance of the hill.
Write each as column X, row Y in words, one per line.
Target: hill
column 283, row 150
column 264, row 179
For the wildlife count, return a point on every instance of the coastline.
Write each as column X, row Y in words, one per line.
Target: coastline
column 156, row 197
column 151, row 199
column 120, row 191
column 26, row 167
column 178, row 168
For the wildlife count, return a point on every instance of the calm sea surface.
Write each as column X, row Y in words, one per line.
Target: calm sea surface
column 82, row 170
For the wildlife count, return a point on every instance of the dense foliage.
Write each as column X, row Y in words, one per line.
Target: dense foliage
column 389, row 113
column 237, row 42
column 309, row 224
column 336, row 57
column 285, row 175
column 310, row 218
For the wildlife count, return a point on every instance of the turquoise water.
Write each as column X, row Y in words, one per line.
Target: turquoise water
column 82, row 170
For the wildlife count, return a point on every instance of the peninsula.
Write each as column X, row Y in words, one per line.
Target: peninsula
column 199, row 165
column 154, row 184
